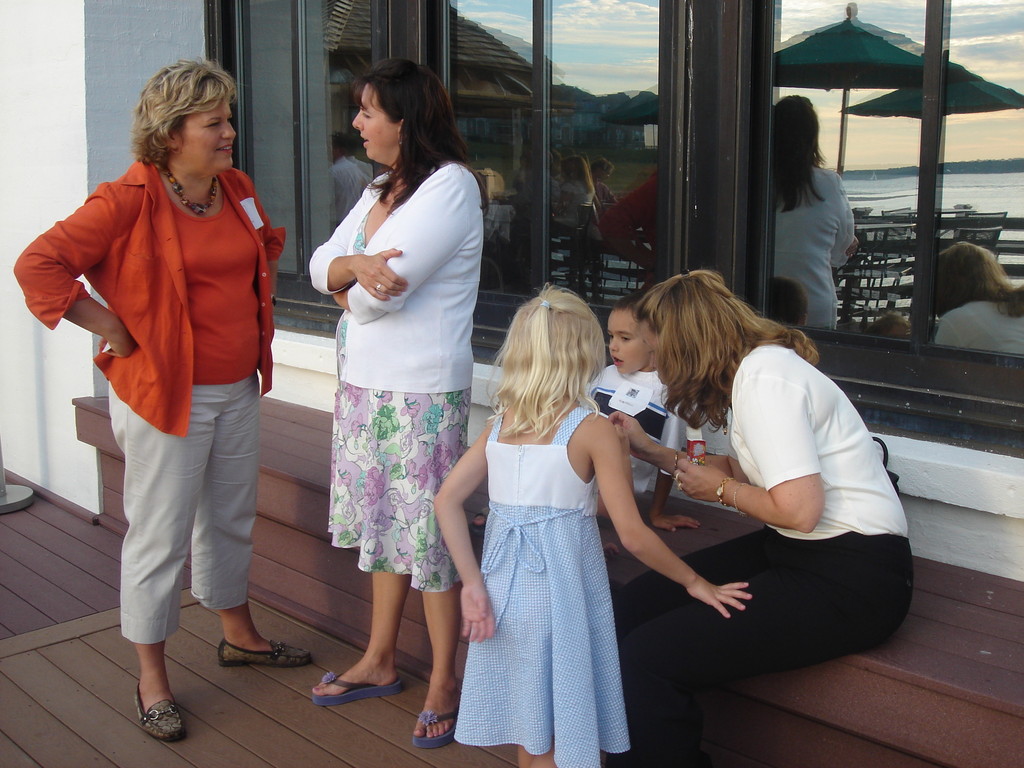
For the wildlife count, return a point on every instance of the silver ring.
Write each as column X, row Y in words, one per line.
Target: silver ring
column 380, row 288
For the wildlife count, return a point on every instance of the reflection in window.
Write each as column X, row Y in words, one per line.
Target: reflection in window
column 979, row 297
column 343, row 172
column 491, row 67
column 604, row 146
column 865, row 284
column 603, row 109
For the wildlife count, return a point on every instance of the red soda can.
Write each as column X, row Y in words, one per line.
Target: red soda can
column 695, row 451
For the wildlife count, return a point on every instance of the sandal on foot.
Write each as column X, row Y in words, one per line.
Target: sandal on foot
column 429, row 717
column 279, row 655
column 355, row 691
column 162, row 720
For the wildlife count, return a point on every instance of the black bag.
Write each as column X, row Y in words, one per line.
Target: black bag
column 893, row 477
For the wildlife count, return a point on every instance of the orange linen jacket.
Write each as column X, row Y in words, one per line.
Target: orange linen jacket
column 124, row 241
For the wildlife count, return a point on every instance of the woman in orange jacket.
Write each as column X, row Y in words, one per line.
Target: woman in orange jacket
column 181, row 252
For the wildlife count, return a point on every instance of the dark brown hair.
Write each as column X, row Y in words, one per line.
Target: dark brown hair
column 411, row 93
column 795, row 152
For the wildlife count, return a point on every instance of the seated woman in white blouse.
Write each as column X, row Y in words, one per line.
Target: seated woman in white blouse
column 979, row 307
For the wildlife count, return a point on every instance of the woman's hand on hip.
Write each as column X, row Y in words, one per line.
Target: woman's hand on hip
column 377, row 278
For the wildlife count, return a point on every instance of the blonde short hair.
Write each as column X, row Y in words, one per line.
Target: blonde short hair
column 552, row 354
column 171, row 95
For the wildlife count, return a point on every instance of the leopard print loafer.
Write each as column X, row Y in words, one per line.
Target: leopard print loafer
column 280, row 655
column 162, row 720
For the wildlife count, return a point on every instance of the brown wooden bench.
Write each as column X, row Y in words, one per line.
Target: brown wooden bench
column 946, row 690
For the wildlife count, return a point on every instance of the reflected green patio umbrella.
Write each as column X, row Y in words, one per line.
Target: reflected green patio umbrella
column 845, row 56
column 967, row 97
column 642, row 109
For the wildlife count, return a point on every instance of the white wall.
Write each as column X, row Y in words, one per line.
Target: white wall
column 71, row 73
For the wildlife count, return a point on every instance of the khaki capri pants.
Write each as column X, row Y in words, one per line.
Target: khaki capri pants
column 199, row 488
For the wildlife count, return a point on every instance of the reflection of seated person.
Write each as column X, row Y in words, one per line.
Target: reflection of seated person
column 787, row 301
column 978, row 306
column 600, row 170
column 575, row 189
column 813, row 220
column 629, row 227
column 349, row 174
column 891, row 324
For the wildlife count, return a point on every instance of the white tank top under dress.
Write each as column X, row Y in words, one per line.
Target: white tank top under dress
column 551, row 671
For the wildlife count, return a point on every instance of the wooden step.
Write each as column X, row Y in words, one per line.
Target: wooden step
column 946, row 690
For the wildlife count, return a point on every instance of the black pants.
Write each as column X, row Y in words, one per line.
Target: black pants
column 812, row 601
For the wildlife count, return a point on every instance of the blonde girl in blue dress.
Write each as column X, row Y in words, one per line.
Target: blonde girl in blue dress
column 542, row 670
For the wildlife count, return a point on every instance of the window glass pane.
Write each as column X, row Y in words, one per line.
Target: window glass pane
column 491, row 68
column 604, row 147
column 980, row 234
column 345, row 170
column 845, row 205
column 271, row 103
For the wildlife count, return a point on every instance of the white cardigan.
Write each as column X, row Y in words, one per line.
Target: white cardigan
column 419, row 341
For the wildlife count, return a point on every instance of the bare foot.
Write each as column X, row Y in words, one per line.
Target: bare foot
column 441, row 699
column 362, row 672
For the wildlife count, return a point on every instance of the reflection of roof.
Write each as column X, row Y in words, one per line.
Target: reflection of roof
column 485, row 67
column 347, row 25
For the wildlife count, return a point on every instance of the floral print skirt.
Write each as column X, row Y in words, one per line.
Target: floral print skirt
column 390, row 453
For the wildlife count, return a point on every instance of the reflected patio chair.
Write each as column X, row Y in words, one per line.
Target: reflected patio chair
column 878, row 278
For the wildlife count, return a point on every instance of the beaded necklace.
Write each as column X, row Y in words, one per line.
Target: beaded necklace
column 198, row 209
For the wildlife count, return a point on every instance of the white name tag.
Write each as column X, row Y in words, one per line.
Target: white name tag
column 249, row 206
column 631, row 398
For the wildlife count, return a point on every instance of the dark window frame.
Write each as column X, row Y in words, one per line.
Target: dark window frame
column 716, row 203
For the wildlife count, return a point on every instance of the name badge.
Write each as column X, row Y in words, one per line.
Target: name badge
column 631, row 398
column 249, row 206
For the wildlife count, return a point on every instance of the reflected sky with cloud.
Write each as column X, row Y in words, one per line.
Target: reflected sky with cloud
column 607, row 46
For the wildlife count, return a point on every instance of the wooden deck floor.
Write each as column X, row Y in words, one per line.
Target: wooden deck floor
column 67, row 675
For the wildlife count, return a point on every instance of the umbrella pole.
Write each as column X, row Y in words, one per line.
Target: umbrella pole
column 841, row 162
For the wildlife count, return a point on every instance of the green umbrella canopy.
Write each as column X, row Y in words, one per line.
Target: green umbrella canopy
column 967, row 97
column 845, row 56
column 642, row 109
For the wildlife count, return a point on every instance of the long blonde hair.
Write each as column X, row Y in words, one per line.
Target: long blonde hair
column 704, row 332
column 552, row 353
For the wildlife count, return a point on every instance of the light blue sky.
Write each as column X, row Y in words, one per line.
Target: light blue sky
column 606, row 46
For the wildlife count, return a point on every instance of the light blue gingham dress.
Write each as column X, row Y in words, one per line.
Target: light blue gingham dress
column 551, row 671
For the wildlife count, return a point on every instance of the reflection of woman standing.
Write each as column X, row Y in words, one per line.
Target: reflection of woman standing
column 978, row 306
column 830, row 572
column 813, row 220
column 405, row 265
column 182, row 252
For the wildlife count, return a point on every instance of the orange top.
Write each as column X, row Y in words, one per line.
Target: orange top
column 124, row 241
column 220, row 269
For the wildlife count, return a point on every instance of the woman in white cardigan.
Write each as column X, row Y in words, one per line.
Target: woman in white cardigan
column 405, row 266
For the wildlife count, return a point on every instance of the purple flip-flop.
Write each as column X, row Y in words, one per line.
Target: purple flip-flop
column 355, row 691
column 429, row 717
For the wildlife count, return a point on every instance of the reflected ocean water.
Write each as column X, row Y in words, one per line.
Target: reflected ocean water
column 984, row 192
